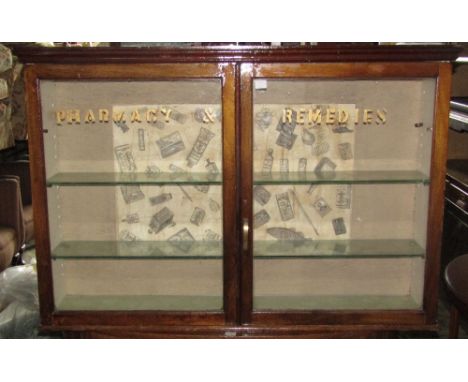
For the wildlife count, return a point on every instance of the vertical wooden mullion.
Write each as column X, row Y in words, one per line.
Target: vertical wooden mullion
column 239, row 192
column 246, row 158
column 230, row 272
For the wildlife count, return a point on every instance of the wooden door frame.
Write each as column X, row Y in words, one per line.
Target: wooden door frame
column 55, row 320
column 441, row 71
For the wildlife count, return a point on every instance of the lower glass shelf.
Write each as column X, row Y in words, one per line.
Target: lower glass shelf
column 123, row 302
column 138, row 250
column 366, row 302
column 268, row 249
column 282, row 249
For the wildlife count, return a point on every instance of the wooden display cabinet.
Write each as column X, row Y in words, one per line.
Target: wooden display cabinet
column 238, row 191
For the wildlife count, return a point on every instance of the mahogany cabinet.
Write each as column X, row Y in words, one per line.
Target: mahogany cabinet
column 238, row 191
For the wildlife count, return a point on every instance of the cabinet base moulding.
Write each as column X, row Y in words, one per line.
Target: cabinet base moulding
column 296, row 331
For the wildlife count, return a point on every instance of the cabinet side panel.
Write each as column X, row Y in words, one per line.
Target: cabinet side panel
column 39, row 195
column 436, row 198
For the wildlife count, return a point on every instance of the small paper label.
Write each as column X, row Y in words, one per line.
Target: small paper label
column 261, row 84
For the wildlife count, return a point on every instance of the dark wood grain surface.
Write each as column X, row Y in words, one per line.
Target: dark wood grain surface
column 436, row 192
column 329, row 53
column 39, row 196
column 230, row 206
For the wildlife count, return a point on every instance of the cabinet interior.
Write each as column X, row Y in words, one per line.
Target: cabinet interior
column 136, row 220
column 135, row 217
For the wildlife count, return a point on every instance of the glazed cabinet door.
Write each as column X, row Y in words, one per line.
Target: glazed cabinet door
column 138, row 163
column 341, row 191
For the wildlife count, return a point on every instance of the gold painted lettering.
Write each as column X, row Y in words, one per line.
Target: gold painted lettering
column 59, row 117
column 167, row 112
column 209, row 116
column 287, row 115
column 330, row 116
column 367, row 118
column 315, row 116
column 300, row 119
column 135, row 117
column 151, row 115
column 382, row 116
column 89, row 117
column 103, row 115
column 343, row 117
column 73, row 116
column 118, row 116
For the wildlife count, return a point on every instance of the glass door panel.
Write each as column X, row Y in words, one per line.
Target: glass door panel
column 340, row 192
column 134, row 189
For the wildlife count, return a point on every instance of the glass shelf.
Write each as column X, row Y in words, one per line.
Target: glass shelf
column 114, row 250
column 110, row 178
column 333, row 302
column 384, row 248
column 355, row 177
column 269, row 249
column 135, row 302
